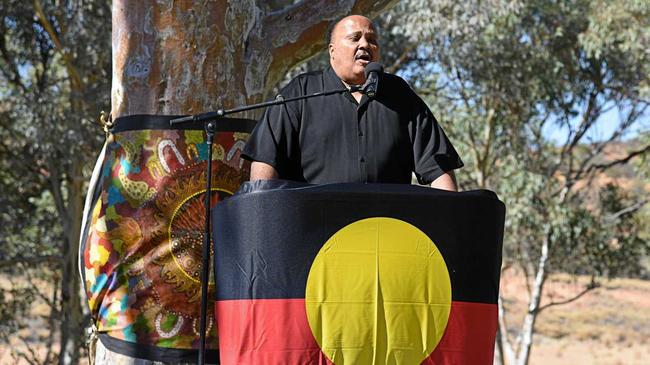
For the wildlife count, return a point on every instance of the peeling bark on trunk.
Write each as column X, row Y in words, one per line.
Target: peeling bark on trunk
column 505, row 350
column 186, row 57
column 528, row 327
column 518, row 352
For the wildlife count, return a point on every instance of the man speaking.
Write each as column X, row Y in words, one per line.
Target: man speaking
column 379, row 131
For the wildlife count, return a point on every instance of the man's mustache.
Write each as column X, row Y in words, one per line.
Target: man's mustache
column 364, row 55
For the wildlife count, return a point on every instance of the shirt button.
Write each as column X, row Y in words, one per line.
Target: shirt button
column 362, row 159
column 360, row 134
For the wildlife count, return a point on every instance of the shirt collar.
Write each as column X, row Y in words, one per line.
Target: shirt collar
column 332, row 82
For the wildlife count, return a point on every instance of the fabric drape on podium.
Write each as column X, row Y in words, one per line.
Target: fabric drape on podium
column 357, row 274
column 140, row 254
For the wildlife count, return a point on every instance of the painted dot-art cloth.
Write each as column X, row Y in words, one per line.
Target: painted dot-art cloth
column 141, row 257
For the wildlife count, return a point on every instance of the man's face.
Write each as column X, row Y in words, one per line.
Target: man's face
column 354, row 44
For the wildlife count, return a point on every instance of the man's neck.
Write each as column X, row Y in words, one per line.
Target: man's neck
column 356, row 94
column 349, row 86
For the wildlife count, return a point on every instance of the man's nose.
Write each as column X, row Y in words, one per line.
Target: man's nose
column 363, row 43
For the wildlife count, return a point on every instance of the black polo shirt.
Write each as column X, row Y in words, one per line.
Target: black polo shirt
column 329, row 139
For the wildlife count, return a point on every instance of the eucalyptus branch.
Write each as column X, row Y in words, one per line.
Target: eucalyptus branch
column 526, row 270
column 52, row 320
column 488, row 138
column 588, row 119
column 55, row 188
column 628, row 210
column 77, row 84
column 61, row 20
column 472, row 137
column 600, row 147
column 592, row 285
column 625, row 91
column 31, row 357
column 12, row 76
column 506, row 345
column 403, row 57
column 38, row 293
column 621, row 161
column 42, row 73
column 537, row 133
column 573, row 139
column 435, row 91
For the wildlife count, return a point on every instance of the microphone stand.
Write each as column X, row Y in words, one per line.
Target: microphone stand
column 211, row 119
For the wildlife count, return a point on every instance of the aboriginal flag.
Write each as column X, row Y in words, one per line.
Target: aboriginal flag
column 357, row 274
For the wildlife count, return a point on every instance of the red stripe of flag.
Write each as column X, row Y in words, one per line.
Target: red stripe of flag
column 276, row 331
column 469, row 337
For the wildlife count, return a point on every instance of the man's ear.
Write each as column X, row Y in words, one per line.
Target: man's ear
column 330, row 49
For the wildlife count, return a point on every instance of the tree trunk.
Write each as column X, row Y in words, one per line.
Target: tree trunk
column 186, row 57
column 73, row 321
column 505, row 350
column 528, row 327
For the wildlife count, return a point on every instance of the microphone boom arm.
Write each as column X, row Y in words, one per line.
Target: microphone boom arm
column 220, row 113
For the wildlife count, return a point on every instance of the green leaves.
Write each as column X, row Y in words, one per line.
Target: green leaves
column 54, row 80
column 503, row 73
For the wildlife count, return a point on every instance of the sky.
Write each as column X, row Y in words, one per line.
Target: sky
column 603, row 129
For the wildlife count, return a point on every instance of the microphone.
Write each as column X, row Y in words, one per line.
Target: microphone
column 373, row 70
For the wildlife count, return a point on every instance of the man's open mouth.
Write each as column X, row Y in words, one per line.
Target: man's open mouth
column 363, row 57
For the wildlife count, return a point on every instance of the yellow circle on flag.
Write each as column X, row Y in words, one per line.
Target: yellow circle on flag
column 378, row 292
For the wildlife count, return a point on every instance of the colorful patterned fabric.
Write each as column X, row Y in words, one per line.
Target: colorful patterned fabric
column 142, row 254
column 104, row 356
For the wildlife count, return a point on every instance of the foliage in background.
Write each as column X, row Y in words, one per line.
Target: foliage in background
column 54, row 80
column 502, row 75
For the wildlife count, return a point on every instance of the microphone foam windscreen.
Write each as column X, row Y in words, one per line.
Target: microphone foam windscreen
column 374, row 67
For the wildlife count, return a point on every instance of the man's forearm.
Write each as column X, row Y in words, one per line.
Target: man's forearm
column 263, row 171
column 446, row 181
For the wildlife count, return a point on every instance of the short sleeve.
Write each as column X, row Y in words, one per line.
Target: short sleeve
column 433, row 153
column 275, row 139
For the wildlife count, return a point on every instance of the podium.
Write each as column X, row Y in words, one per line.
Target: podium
column 357, row 274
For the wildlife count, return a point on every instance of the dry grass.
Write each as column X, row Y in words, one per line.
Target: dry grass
column 31, row 339
column 610, row 325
